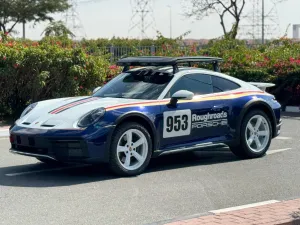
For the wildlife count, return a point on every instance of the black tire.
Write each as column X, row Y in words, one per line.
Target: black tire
column 114, row 162
column 50, row 162
column 242, row 150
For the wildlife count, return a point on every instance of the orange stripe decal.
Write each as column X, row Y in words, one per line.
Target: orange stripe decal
column 195, row 99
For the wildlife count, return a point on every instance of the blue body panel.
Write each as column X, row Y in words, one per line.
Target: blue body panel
column 97, row 137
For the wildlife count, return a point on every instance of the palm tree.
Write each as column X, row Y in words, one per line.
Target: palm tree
column 57, row 29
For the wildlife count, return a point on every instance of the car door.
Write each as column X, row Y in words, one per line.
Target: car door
column 224, row 87
column 194, row 121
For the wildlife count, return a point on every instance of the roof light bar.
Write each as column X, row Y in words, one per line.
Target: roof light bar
column 167, row 61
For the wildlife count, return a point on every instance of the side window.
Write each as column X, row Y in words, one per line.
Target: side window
column 221, row 84
column 196, row 83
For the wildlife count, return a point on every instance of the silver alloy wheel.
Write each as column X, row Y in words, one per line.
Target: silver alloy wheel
column 257, row 133
column 132, row 149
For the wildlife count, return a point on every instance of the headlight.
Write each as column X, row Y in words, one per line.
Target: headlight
column 91, row 117
column 28, row 109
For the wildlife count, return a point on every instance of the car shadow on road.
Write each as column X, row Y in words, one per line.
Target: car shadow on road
column 24, row 175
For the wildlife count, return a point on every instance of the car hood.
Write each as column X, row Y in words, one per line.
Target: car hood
column 64, row 113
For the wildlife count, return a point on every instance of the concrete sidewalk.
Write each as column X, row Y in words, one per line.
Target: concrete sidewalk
column 284, row 213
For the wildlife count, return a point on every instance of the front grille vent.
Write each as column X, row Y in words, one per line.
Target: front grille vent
column 26, row 123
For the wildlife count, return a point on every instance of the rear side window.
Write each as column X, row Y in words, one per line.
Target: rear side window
column 221, row 84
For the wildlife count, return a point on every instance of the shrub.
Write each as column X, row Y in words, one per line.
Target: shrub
column 276, row 62
column 42, row 71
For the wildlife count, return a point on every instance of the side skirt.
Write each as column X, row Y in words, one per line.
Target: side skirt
column 209, row 145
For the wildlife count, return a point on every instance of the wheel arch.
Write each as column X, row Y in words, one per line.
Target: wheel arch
column 260, row 105
column 141, row 119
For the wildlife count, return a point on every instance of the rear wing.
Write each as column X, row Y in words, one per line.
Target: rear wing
column 262, row 86
column 167, row 61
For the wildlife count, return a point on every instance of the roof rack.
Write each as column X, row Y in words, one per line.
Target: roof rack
column 168, row 61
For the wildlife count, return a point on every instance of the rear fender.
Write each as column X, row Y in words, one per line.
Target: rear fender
column 256, row 104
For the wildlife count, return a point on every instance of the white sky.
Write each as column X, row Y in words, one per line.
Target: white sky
column 108, row 18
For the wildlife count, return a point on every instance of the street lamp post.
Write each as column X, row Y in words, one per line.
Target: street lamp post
column 170, row 7
column 263, row 23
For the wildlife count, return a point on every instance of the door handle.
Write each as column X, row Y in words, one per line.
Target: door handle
column 218, row 108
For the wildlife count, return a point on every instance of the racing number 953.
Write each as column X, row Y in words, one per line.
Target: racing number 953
column 177, row 123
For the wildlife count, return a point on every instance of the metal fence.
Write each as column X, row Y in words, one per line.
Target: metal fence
column 114, row 53
column 117, row 52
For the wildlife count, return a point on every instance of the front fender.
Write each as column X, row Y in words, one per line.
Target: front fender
column 147, row 120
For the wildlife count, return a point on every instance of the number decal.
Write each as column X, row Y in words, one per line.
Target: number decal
column 169, row 124
column 177, row 123
column 185, row 122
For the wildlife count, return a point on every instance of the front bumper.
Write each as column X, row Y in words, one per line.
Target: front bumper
column 31, row 154
column 278, row 128
column 62, row 145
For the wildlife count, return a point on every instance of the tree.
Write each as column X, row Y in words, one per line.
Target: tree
column 233, row 8
column 13, row 12
column 57, row 29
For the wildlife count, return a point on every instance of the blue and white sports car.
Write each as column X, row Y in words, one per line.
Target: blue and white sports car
column 157, row 108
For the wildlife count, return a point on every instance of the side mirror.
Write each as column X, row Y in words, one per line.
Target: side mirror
column 96, row 89
column 181, row 95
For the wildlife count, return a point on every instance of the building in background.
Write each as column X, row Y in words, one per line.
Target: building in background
column 296, row 31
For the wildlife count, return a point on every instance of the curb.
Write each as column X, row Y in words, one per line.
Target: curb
column 4, row 128
column 4, row 132
column 292, row 109
column 268, row 213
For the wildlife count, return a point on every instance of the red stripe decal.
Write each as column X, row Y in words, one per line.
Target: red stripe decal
column 73, row 104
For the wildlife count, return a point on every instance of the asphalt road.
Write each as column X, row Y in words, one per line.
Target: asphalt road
column 173, row 187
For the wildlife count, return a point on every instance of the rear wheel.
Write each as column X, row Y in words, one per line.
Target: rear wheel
column 256, row 135
column 131, row 149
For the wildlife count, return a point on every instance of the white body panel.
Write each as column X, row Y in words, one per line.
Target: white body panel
column 66, row 119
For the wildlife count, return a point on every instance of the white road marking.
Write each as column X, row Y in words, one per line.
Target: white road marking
column 278, row 150
column 45, row 170
column 283, row 138
column 243, row 206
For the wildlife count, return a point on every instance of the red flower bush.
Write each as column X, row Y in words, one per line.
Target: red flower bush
column 113, row 67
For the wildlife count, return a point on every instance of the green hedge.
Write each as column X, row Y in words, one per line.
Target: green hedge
column 29, row 73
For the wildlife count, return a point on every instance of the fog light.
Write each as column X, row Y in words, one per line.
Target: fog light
column 75, row 152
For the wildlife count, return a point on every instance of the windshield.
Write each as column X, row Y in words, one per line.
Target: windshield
column 136, row 85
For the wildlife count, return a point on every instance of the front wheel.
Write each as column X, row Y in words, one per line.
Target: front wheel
column 131, row 149
column 256, row 135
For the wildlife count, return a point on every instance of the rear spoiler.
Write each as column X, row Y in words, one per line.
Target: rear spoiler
column 262, row 86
